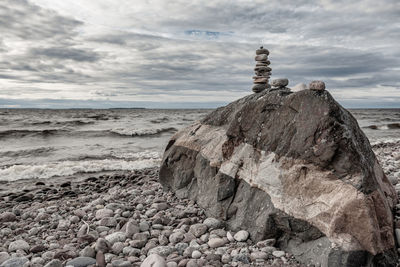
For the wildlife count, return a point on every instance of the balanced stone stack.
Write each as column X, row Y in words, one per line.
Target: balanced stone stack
column 262, row 71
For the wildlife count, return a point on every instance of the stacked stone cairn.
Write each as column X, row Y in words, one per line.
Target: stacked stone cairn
column 262, row 71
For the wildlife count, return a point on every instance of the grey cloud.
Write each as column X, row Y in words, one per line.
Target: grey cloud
column 22, row 19
column 75, row 54
column 346, row 47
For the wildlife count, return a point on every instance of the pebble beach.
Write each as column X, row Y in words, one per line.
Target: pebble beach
column 120, row 219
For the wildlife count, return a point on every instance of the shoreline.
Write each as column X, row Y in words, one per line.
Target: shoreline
column 67, row 219
column 62, row 218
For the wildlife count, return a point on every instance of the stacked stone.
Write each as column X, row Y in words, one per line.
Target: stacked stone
column 280, row 83
column 262, row 71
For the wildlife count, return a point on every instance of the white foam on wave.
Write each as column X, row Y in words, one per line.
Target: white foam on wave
column 142, row 132
column 137, row 155
column 66, row 168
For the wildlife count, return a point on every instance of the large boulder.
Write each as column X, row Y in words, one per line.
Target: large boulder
column 290, row 166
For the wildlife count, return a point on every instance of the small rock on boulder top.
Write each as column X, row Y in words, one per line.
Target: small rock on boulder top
column 280, row 83
column 291, row 166
column 317, row 85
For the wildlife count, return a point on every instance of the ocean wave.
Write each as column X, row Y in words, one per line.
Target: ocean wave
column 63, row 123
column 390, row 126
column 160, row 120
column 131, row 156
column 42, row 151
column 29, row 132
column 67, row 168
column 143, row 132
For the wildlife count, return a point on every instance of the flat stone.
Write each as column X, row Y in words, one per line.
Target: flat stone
column 88, row 251
column 131, row 229
column 257, row 88
column 262, row 51
column 18, row 245
column 144, row 226
column 262, row 68
column 196, row 254
column 38, row 248
column 7, row 217
column 177, row 237
column 14, row 262
column 164, row 251
column 198, row 229
column 115, row 237
column 102, row 213
column 108, row 221
column 4, row 256
column 216, row 242
column 261, row 80
column 241, row 236
column 317, row 85
column 121, row 263
column 212, row 223
column 63, row 225
column 81, row 262
column 54, row 263
column 282, row 82
column 258, row 255
column 263, row 63
column 38, row 261
column 154, row 260
column 263, row 73
column 278, row 253
column 261, row 57
column 117, row 247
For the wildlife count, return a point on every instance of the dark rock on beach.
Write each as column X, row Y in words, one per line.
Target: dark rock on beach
column 294, row 167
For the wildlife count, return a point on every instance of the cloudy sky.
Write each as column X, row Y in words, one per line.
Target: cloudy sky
column 176, row 53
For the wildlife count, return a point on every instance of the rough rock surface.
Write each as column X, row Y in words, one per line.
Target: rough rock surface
column 291, row 166
column 317, row 85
